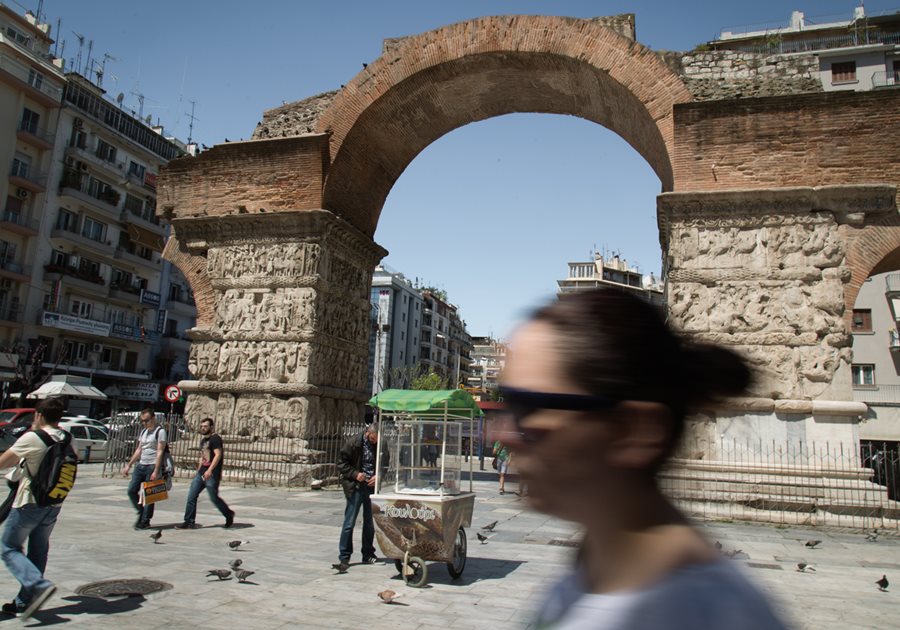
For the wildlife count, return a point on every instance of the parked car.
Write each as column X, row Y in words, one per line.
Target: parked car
column 13, row 423
column 91, row 422
column 89, row 441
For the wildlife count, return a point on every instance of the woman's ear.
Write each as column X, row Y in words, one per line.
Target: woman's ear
column 643, row 432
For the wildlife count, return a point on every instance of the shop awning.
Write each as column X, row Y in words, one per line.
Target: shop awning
column 425, row 401
column 67, row 385
column 145, row 237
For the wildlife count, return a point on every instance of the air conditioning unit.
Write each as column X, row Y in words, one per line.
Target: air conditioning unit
column 21, row 193
column 78, row 123
column 82, row 166
column 96, row 347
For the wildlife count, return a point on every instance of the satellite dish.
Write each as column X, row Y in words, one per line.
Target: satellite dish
column 120, row 98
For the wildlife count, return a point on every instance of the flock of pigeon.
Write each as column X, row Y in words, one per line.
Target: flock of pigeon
column 239, row 573
column 804, row 567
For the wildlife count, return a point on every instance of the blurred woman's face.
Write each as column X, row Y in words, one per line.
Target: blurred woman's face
column 564, row 463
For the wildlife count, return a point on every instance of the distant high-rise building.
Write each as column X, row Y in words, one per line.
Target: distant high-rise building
column 397, row 309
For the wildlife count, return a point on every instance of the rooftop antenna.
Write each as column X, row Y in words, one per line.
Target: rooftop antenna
column 193, row 118
column 140, row 98
column 80, row 46
column 102, row 70
column 56, row 43
column 89, row 64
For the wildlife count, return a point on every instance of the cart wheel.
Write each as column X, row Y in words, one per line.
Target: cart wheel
column 417, row 573
column 459, row 555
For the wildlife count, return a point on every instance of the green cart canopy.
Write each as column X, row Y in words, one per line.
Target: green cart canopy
column 424, row 401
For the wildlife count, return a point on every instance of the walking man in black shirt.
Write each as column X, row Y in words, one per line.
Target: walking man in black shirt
column 209, row 474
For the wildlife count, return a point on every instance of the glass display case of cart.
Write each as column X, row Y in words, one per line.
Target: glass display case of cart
column 425, row 445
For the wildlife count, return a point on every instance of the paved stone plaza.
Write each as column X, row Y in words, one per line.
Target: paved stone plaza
column 294, row 541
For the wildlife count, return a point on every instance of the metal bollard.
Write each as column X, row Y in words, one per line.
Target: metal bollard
column 87, row 453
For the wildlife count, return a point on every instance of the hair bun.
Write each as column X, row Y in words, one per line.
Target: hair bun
column 712, row 371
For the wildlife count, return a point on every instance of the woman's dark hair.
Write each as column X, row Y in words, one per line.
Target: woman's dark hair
column 615, row 344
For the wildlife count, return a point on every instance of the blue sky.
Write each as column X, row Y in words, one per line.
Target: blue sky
column 491, row 212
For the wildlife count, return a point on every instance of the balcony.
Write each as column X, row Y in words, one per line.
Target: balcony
column 128, row 216
column 114, row 169
column 182, row 306
column 28, row 180
column 125, row 293
column 74, row 187
column 15, row 271
column 123, row 254
column 75, row 277
column 885, row 79
column 17, row 73
column 38, row 138
column 892, row 283
column 894, row 342
column 18, row 223
column 103, row 247
column 11, row 315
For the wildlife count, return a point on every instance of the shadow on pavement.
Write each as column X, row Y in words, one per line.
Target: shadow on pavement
column 477, row 570
column 81, row 605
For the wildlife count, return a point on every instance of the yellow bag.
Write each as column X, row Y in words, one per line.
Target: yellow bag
column 153, row 491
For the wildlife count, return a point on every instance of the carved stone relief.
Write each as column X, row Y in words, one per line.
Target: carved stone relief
column 765, row 277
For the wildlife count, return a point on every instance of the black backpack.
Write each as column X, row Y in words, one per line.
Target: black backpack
column 55, row 476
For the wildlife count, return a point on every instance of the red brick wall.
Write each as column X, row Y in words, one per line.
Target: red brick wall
column 427, row 85
column 253, row 176
column 800, row 140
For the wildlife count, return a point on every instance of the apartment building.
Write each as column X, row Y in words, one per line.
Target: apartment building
column 86, row 289
column 397, row 310
column 857, row 52
column 614, row 273
column 488, row 361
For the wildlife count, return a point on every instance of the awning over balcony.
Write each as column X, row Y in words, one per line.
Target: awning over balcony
column 145, row 237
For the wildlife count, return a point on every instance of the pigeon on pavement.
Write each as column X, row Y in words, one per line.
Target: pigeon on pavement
column 340, row 567
column 156, row 536
column 243, row 575
column 872, row 536
column 490, row 526
column 222, row 574
column 481, row 537
column 802, row 567
column 718, row 546
column 882, row 583
column 234, row 564
column 234, row 544
column 388, row 596
column 812, row 544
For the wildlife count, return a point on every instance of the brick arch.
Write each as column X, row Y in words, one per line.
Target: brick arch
column 427, row 85
column 871, row 250
column 193, row 268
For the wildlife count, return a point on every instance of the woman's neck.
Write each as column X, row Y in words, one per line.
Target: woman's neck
column 638, row 543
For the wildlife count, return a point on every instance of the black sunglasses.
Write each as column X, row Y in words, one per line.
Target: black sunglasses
column 521, row 403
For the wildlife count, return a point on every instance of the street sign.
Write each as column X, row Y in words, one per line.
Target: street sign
column 172, row 394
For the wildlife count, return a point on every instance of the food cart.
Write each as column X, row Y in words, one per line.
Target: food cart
column 419, row 507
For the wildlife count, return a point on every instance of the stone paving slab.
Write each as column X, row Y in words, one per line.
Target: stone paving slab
column 294, row 541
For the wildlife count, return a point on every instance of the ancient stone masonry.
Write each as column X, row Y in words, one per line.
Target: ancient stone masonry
column 765, row 273
column 285, row 355
column 293, row 119
column 727, row 74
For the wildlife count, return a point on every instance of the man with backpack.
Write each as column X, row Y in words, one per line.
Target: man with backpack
column 47, row 463
column 149, row 455
column 209, row 474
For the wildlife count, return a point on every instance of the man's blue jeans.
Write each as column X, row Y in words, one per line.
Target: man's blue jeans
column 359, row 498
column 35, row 524
column 139, row 475
column 212, row 489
